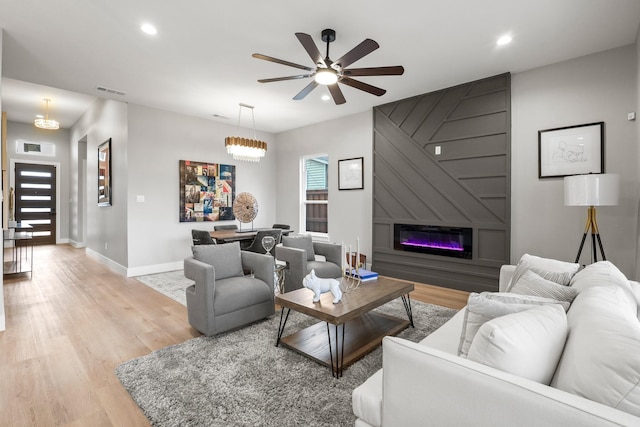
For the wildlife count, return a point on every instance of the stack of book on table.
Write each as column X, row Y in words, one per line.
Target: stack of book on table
column 362, row 274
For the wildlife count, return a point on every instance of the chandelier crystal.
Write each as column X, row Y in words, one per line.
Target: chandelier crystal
column 46, row 123
column 245, row 149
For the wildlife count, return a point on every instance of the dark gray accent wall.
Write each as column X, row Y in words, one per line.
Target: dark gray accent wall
column 467, row 185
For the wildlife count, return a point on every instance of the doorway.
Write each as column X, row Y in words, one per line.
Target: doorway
column 35, row 200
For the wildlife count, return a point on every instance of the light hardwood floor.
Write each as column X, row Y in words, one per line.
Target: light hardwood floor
column 74, row 322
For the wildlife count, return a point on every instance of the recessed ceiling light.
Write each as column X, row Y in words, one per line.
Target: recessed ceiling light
column 326, row 97
column 504, row 40
column 149, row 29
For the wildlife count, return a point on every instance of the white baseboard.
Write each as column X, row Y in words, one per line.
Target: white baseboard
column 77, row 244
column 153, row 269
column 135, row 271
column 106, row 261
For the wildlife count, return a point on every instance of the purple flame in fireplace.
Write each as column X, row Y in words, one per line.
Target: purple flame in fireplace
column 450, row 245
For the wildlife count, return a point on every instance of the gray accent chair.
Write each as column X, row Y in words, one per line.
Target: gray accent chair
column 223, row 298
column 299, row 252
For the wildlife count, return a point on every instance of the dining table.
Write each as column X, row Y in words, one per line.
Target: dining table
column 227, row 236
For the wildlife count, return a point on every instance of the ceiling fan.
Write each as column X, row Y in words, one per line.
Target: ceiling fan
column 330, row 73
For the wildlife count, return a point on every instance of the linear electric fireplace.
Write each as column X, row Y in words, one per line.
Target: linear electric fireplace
column 435, row 240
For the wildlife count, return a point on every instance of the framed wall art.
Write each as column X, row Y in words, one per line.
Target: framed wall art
column 104, row 173
column 571, row 150
column 351, row 174
column 207, row 191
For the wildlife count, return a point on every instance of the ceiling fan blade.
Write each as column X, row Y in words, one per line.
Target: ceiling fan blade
column 375, row 71
column 279, row 79
column 280, row 61
column 311, row 48
column 363, row 86
column 307, row 89
column 364, row 48
column 336, row 94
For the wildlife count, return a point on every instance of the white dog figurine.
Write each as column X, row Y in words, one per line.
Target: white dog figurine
column 319, row 286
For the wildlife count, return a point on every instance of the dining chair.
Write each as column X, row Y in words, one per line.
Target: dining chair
column 202, row 237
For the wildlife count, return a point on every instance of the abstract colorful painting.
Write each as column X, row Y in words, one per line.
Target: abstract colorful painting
column 207, row 191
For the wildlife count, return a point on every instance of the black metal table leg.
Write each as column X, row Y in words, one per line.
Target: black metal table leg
column 282, row 324
column 337, row 368
column 406, row 300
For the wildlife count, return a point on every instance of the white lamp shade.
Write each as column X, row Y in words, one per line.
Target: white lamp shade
column 592, row 190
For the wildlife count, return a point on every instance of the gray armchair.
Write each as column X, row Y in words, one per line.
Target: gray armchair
column 299, row 253
column 222, row 297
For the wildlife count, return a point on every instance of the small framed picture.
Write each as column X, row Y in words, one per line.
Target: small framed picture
column 571, row 150
column 351, row 174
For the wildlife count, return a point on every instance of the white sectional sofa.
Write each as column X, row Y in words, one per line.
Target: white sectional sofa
column 595, row 382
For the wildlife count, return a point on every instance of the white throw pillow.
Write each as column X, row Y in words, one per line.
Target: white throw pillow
column 480, row 310
column 528, row 344
column 557, row 271
column 601, row 359
column 511, row 298
column 531, row 283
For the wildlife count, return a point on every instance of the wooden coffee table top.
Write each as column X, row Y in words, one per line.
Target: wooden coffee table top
column 354, row 303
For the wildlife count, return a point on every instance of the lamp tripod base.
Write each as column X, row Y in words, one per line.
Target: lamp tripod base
column 591, row 227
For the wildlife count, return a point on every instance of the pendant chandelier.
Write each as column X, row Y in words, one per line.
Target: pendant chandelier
column 250, row 150
column 46, row 123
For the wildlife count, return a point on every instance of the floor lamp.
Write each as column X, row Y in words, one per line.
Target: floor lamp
column 592, row 190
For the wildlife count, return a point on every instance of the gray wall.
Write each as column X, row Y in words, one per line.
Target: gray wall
column 107, row 233
column 599, row 87
column 637, row 144
column 349, row 210
column 60, row 138
column 158, row 140
column 465, row 185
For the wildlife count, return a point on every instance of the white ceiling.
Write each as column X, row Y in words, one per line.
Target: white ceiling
column 200, row 63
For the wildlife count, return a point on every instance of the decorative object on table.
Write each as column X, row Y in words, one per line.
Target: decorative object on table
column 207, row 191
column 351, row 174
column 354, row 261
column 362, row 274
column 257, row 244
column 249, row 150
column 329, row 73
column 268, row 242
column 245, row 208
column 571, row 150
column 592, row 190
column 320, row 286
column 104, row 173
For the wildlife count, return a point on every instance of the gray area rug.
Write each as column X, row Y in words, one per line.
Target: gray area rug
column 171, row 284
column 241, row 379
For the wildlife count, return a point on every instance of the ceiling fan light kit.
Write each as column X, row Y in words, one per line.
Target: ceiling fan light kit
column 329, row 73
column 46, row 123
column 249, row 150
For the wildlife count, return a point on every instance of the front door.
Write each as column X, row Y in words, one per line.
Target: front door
column 35, row 203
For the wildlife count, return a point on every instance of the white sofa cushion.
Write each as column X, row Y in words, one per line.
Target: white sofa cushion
column 480, row 310
column 366, row 400
column 531, row 283
column 527, row 344
column 601, row 359
column 487, row 306
column 559, row 272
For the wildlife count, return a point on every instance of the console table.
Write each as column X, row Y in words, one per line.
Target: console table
column 18, row 240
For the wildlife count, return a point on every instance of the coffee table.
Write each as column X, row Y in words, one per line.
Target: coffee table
column 357, row 330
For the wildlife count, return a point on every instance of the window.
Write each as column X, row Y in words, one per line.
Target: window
column 315, row 194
